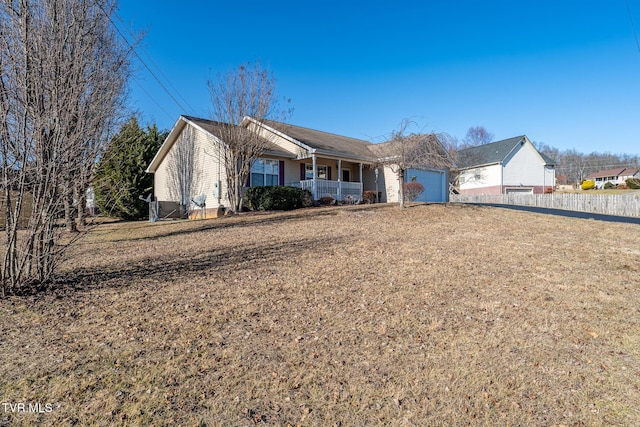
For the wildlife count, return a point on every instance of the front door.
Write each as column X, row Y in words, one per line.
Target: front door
column 346, row 175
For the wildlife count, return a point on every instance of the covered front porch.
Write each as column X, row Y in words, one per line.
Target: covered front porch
column 340, row 179
column 339, row 190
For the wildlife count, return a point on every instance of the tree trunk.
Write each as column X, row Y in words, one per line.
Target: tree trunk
column 69, row 218
column 81, row 196
column 401, row 188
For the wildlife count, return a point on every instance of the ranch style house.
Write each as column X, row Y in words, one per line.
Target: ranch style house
column 324, row 163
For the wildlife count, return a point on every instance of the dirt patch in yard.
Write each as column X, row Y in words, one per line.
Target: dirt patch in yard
column 433, row 315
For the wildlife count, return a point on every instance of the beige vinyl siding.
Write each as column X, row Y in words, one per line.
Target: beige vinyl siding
column 212, row 166
column 207, row 166
column 389, row 186
column 284, row 143
column 291, row 172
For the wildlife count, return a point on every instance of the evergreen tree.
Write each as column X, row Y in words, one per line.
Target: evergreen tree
column 121, row 178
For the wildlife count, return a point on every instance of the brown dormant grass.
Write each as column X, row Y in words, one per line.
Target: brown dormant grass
column 435, row 315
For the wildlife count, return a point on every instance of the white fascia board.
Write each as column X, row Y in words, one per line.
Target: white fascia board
column 343, row 156
column 166, row 145
column 170, row 140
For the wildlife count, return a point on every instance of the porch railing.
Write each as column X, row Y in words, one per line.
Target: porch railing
column 339, row 190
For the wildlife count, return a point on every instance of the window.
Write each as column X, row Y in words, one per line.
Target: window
column 265, row 172
column 322, row 172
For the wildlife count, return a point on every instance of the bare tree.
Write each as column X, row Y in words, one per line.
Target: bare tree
column 413, row 151
column 477, row 135
column 184, row 171
column 62, row 84
column 248, row 91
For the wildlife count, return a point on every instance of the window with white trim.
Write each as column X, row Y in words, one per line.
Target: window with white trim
column 265, row 172
column 323, row 172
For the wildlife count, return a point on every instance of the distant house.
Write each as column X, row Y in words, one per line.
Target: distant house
column 512, row 165
column 324, row 163
column 615, row 176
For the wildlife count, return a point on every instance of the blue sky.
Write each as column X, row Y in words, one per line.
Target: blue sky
column 563, row 72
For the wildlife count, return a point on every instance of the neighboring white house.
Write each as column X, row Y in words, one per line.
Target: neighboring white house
column 324, row 163
column 615, row 176
column 512, row 165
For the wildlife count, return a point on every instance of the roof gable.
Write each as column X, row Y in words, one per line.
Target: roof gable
column 203, row 125
column 495, row 152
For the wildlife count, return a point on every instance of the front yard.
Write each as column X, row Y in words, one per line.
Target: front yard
column 434, row 315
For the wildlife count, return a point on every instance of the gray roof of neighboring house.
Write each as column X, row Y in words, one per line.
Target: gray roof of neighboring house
column 494, row 152
column 325, row 142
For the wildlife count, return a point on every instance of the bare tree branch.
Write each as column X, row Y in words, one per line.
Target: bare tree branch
column 62, row 87
column 413, row 151
column 249, row 91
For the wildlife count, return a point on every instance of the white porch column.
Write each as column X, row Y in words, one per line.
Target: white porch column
column 360, row 165
column 339, row 176
column 314, row 185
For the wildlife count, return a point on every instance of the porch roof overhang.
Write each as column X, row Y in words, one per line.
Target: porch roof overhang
column 280, row 153
column 327, row 154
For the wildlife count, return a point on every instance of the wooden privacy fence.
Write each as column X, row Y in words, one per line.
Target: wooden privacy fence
column 608, row 204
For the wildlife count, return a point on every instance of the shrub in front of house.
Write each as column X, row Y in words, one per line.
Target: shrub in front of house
column 588, row 184
column 633, row 183
column 326, row 201
column 608, row 185
column 277, row 198
column 369, row 197
column 412, row 190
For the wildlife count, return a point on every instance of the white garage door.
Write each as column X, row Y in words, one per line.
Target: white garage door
column 435, row 182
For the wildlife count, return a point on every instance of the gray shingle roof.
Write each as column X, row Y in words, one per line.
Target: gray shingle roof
column 208, row 125
column 211, row 126
column 486, row 154
column 491, row 153
column 325, row 142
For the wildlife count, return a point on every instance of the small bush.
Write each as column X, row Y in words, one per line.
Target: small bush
column 326, row 200
column 622, row 186
column 608, row 185
column 633, row 183
column 588, row 184
column 278, row 198
column 369, row 197
column 548, row 190
column 412, row 190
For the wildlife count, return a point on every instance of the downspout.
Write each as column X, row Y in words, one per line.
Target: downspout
column 360, row 165
column 339, row 179
column 219, row 183
column 314, row 184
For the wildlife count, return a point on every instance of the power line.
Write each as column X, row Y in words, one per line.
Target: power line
column 192, row 110
column 153, row 99
column 633, row 27
column 135, row 52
